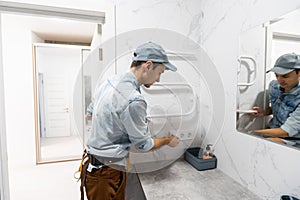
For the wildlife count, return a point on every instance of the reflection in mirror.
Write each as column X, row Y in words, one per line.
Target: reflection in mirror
column 251, row 78
column 259, row 49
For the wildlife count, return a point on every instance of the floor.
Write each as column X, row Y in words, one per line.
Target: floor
column 47, row 181
column 51, row 148
column 51, row 181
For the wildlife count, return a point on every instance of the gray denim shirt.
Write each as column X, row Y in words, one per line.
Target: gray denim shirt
column 119, row 118
column 285, row 109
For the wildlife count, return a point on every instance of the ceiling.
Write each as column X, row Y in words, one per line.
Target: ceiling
column 54, row 29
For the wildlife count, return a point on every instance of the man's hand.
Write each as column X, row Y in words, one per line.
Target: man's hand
column 171, row 141
column 174, row 141
column 260, row 112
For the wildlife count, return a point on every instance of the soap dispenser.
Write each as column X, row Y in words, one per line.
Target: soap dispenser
column 208, row 152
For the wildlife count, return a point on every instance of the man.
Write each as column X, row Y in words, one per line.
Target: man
column 119, row 121
column 284, row 97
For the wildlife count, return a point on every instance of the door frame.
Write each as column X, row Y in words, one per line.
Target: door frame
column 4, row 182
column 39, row 159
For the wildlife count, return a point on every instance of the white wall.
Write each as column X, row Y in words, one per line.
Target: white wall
column 18, row 88
column 266, row 168
column 253, row 162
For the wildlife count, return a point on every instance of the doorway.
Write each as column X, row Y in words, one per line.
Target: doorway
column 58, row 70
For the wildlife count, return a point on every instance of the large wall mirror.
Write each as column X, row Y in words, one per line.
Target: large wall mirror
column 259, row 48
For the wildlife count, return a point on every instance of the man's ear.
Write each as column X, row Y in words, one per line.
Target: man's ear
column 148, row 64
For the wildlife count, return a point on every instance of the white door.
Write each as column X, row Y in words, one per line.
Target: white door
column 57, row 115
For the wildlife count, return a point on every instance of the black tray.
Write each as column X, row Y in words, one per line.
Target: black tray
column 191, row 156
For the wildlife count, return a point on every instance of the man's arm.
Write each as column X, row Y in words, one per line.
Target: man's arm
column 261, row 112
column 133, row 119
column 275, row 132
column 172, row 141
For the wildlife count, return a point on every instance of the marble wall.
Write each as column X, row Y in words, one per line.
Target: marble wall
column 266, row 168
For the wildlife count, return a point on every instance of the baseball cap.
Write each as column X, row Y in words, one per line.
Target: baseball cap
column 286, row 63
column 153, row 52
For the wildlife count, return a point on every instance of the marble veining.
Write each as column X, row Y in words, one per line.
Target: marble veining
column 232, row 163
column 181, row 181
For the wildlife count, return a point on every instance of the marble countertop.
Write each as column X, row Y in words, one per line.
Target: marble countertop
column 181, row 181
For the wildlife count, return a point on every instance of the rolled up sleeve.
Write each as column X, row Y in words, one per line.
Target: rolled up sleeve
column 292, row 124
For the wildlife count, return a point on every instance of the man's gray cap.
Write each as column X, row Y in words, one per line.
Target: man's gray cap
column 153, row 52
column 286, row 63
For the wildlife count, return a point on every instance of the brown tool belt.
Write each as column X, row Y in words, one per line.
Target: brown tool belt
column 94, row 161
column 107, row 161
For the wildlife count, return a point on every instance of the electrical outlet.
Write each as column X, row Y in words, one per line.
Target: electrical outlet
column 185, row 135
